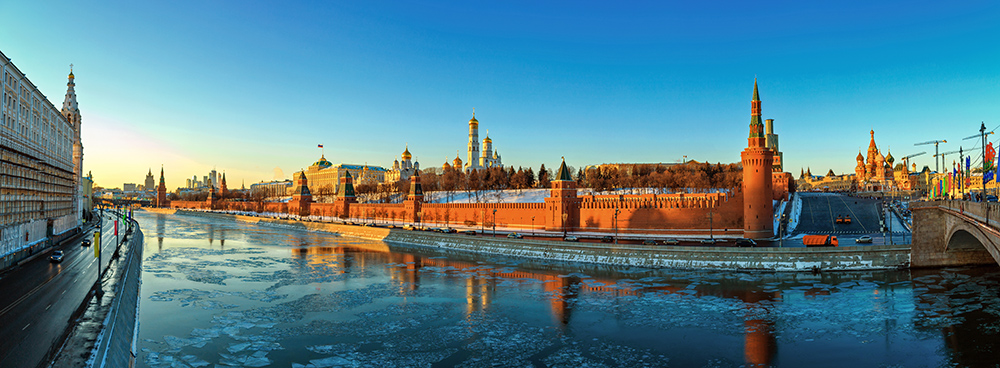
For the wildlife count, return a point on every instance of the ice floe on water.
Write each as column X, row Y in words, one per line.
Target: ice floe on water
column 271, row 302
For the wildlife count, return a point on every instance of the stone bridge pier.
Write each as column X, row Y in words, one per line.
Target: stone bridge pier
column 955, row 233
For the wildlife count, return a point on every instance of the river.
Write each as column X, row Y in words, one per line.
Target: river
column 223, row 293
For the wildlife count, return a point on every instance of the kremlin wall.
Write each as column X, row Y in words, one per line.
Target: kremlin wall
column 739, row 212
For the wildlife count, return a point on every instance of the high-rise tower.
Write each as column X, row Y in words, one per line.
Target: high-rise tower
column 472, row 158
column 758, row 161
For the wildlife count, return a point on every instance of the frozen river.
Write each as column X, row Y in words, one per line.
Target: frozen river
column 217, row 293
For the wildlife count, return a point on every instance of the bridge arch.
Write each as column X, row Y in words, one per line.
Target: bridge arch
column 961, row 239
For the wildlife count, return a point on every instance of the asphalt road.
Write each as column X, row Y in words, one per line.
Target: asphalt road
column 37, row 299
column 820, row 210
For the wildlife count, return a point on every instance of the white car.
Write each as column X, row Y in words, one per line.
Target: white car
column 863, row 240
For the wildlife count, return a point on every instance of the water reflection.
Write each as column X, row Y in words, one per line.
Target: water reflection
column 320, row 296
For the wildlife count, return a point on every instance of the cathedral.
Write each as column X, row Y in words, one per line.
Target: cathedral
column 402, row 170
column 474, row 160
column 877, row 173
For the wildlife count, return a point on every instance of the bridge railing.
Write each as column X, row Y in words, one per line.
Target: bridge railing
column 986, row 212
column 116, row 343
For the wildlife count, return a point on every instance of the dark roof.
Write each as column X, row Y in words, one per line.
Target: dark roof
column 564, row 172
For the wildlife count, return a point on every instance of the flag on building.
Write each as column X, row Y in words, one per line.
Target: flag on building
column 320, row 146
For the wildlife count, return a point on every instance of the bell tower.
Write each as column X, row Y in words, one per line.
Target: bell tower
column 758, row 161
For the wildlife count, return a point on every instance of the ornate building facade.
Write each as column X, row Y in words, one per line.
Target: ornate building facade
column 324, row 176
column 41, row 161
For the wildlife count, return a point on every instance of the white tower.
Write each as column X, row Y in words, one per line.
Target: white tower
column 487, row 159
column 472, row 161
column 71, row 111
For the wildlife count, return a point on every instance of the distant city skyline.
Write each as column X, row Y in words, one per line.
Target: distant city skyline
column 247, row 89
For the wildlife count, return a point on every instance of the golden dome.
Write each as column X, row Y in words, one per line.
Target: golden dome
column 406, row 153
column 473, row 120
column 860, row 157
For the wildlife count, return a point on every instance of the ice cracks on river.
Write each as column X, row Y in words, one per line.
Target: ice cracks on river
column 357, row 317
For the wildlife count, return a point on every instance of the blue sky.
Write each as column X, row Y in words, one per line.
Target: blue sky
column 248, row 87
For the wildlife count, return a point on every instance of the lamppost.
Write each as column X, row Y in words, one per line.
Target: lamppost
column 615, row 222
column 482, row 224
column 494, row 222
column 532, row 225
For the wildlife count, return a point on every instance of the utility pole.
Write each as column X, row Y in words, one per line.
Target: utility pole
column 616, row 225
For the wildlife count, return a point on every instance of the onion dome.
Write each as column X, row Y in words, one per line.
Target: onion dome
column 889, row 159
column 446, row 165
column 860, row 157
column 457, row 162
column 406, row 153
column 473, row 121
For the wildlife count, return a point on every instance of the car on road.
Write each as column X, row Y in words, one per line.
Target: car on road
column 671, row 241
column 863, row 240
column 514, row 236
column 448, row 230
column 571, row 239
column 708, row 241
column 85, row 243
column 607, row 239
column 408, row 227
column 469, row 232
column 649, row 242
column 56, row 257
column 746, row 243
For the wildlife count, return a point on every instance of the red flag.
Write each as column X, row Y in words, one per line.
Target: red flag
column 321, row 146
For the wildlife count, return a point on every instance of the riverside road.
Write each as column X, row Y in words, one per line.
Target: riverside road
column 38, row 298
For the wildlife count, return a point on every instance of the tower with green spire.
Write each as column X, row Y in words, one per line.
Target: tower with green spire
column 562, row 205
column 758, row 164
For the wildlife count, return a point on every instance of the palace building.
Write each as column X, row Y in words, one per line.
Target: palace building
column 41, row 160
column 324, row 177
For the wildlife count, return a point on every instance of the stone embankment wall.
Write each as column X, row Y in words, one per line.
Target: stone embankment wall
column 721, row 258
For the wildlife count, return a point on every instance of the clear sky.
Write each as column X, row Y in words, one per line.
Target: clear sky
column 250, row 86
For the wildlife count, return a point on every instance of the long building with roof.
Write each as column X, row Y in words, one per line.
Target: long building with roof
column 41, row 160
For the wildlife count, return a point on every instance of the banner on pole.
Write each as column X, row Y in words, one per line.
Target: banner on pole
column 97, row 244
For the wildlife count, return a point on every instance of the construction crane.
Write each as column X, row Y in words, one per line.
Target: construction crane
column 906, row 160
column 942, row 154
column 936, row 167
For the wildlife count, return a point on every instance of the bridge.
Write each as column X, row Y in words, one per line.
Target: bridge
column 954, row 233
column 123, row 202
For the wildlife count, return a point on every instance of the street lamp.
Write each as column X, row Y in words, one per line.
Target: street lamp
column 532, row 225
column 494, row 222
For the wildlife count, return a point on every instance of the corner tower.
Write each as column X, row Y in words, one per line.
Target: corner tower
column 161, row 192
column 758, row 162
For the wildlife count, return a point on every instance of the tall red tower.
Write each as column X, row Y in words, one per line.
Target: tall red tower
column 161, row 192
column 758, row 160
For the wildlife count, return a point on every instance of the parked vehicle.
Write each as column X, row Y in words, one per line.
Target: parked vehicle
column 671, row 241
column 607, row 239
column 746, row 243
column 514, row 236
column 56, row 257
column 408, row 227
column 448, row 230
column 571, row 239
column 708, row 241
column 85, row 243
column 863, row 240
column 820, row 241
column 469, row 232
column 649, row 242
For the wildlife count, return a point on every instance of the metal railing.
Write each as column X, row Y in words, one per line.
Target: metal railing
column 116, row 344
